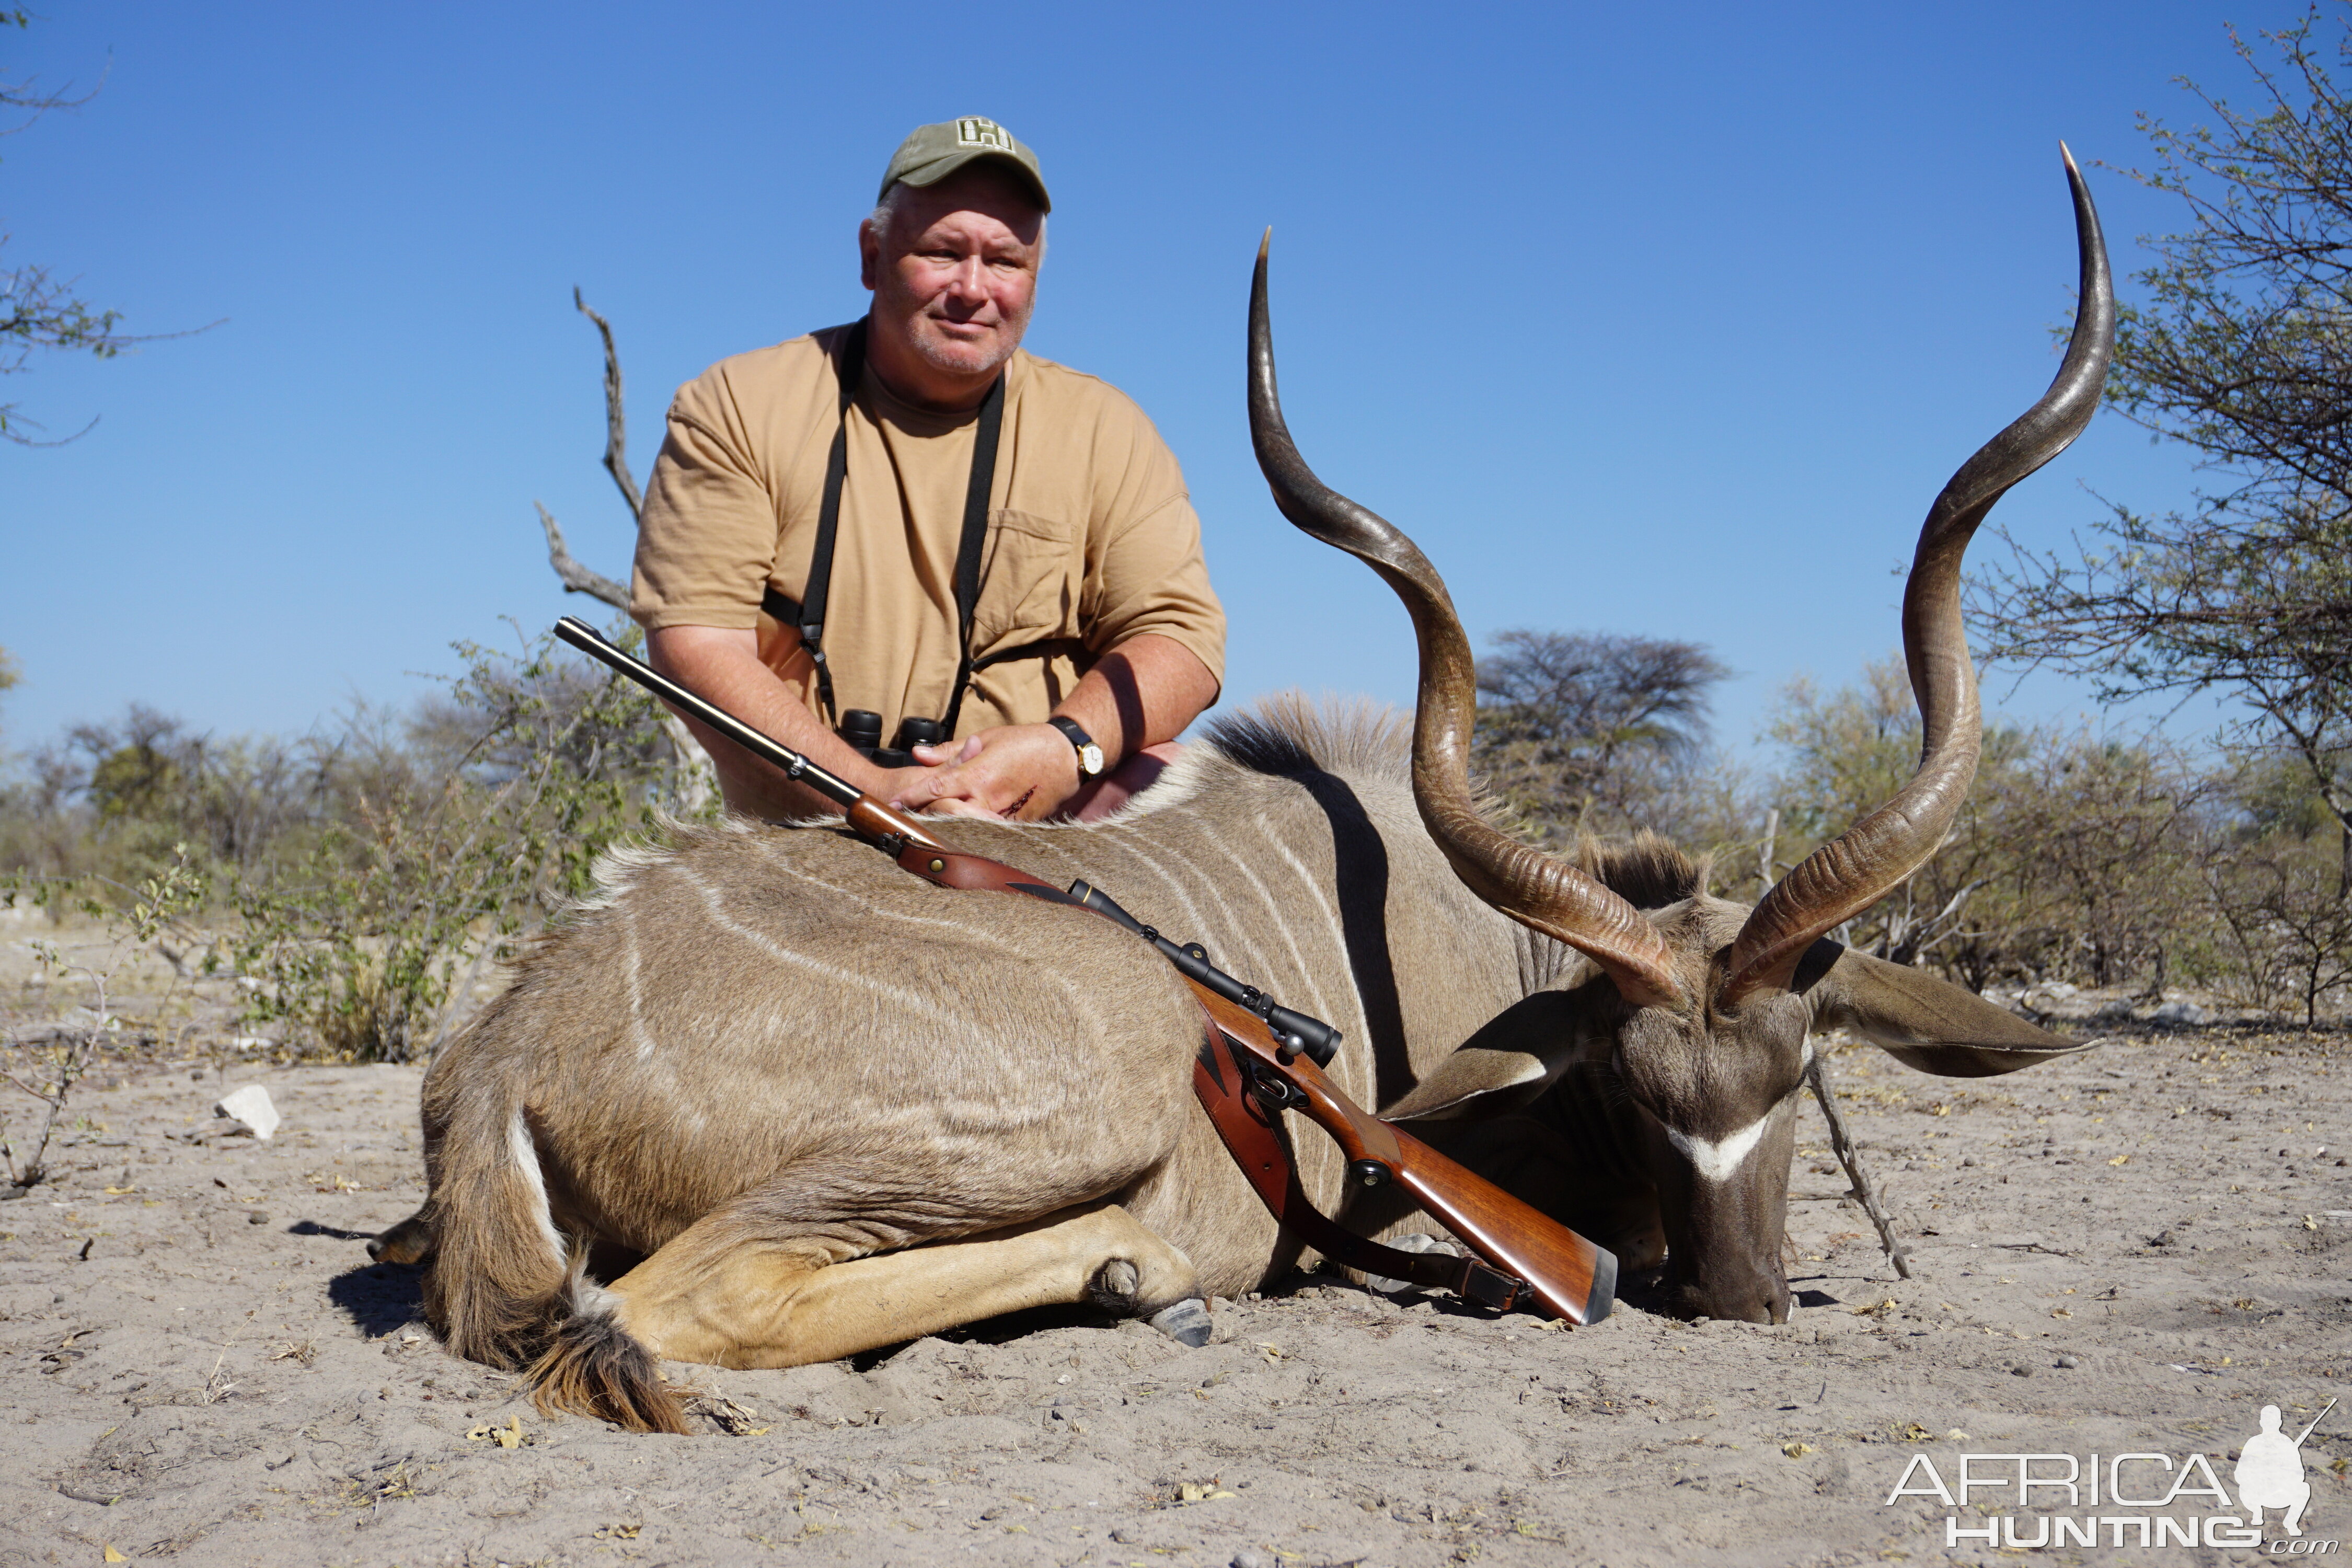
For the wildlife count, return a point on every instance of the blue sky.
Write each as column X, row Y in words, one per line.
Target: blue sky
column 1667, row 321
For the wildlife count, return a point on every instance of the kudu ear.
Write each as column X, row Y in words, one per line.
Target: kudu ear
column 1514, row 1058
column 1925, row 1023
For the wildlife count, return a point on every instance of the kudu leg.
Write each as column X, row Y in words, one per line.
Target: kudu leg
column 718, row 1299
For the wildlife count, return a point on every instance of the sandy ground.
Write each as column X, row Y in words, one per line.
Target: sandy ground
column 2130, row 1252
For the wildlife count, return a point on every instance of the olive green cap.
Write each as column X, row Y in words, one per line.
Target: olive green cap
column 935, row 152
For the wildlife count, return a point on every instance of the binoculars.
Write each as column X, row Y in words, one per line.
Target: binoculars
column 861, row 727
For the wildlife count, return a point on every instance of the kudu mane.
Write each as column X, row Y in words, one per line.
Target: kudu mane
column 1647, row 871
column 1288, row 734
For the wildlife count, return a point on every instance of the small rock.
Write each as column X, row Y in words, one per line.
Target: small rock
column 991, row 1514
column 2070, row 1362
column 2021, row 1370
column 1249, row 1560
column 251, row 1106
column 257, row 1218
column 2181, row 1012
column 1127, row 1536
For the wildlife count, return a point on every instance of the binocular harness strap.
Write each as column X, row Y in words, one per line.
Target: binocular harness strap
column 808, row 615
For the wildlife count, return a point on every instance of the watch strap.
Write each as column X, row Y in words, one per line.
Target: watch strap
column 1075, row 732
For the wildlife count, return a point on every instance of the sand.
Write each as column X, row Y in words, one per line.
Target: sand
column 2130, row 1250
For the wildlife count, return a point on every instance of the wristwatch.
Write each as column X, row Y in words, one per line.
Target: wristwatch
column 1090, row 756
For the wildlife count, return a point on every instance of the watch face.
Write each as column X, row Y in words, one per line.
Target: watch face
column 1090, row 759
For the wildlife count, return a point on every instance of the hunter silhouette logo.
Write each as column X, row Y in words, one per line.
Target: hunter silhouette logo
column 2126, row 1499
column 2270, row 1471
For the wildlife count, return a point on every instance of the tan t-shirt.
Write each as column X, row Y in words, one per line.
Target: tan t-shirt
column 1091, row 536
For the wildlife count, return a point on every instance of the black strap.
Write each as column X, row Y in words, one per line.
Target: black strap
column 975, row 535
column 808, row 614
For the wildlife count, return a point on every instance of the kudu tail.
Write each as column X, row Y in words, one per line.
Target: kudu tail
column 502, row 1290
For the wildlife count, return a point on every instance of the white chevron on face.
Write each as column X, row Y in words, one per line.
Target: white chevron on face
column 1715, row 1161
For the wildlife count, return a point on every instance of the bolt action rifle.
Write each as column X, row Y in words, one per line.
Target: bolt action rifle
column 1257, row 1059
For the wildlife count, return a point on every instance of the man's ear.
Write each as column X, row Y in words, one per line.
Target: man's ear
column 869, row 253
column 1925, row 1023
column 1514, row 1058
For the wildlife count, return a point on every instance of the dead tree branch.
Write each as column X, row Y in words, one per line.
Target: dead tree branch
column 577, row 579
column 1851, row 1158
column 700, row 783
column 616, row 423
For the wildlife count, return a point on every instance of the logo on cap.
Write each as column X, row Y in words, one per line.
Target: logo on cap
column 972, row 131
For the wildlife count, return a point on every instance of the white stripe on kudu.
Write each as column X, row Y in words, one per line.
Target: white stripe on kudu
column 525, row 1155
column 921, row 1005
column 1280, row 917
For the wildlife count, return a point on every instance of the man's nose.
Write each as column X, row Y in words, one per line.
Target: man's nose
column 966, row 283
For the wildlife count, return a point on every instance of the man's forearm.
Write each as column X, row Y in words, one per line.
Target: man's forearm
column 1144, row 691
column 724, row 666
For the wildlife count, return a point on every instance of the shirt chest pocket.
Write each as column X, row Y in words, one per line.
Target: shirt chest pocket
column 1031, row 573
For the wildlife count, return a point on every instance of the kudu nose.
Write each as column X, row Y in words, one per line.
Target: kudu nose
column 1757, row 1296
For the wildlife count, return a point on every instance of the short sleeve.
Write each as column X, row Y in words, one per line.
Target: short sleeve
column 707, row 536
column 1144, row 570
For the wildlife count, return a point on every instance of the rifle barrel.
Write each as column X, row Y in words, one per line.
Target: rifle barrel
column 595, row 643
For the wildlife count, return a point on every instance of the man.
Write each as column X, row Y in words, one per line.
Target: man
column 1046, row 602
column 2270, row 1472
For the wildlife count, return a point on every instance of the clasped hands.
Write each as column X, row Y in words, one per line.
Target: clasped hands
column 1017, row 773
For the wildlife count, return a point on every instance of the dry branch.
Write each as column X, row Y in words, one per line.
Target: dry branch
column 1851, row 1158
column 616, row 425
column 577, row 579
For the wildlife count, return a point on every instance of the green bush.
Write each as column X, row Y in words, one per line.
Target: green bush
column 444, row 854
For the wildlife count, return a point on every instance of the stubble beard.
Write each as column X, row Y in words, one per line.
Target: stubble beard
column 954, row 358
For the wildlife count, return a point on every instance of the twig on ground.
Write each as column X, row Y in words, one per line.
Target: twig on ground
column 1851, row 1158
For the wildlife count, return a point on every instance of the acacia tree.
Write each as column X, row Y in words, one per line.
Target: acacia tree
column 1586, row 731
column 38, row 311
column 2241, row 350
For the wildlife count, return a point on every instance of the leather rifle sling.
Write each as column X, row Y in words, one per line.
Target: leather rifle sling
column 1252, row 1134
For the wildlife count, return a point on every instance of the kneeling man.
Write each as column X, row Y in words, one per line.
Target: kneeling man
column 909, row 520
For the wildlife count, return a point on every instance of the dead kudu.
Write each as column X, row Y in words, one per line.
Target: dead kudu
column 831, row 1107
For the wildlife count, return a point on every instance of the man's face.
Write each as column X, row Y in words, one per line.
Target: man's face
column 954, row 279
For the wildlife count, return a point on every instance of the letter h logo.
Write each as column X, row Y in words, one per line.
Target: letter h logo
column 972, row 131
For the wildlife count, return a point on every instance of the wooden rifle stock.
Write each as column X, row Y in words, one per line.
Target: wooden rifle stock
column 1524, row 1251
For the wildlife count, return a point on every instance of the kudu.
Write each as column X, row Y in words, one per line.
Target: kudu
column 831, row 1107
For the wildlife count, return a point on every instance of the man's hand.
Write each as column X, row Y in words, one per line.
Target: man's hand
column 724, row 667
column 1021, row 773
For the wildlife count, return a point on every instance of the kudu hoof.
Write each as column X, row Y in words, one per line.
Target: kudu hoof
column 1186, row 1322
column 410, row 1241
